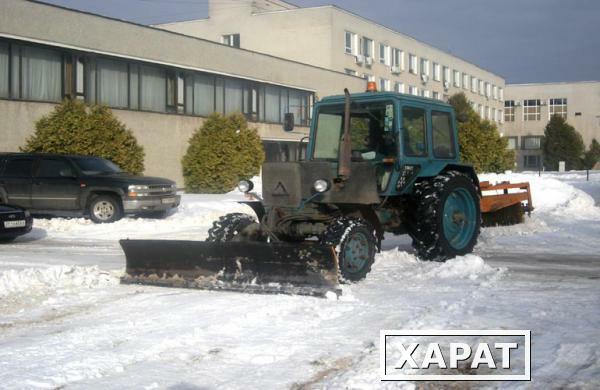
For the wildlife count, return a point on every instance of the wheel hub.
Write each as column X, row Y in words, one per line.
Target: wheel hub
column 459, row 218
column 104, row 210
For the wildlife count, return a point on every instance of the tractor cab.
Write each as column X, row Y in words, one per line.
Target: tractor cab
column 403, row 136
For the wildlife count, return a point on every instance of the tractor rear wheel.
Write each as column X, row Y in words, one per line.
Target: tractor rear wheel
column 355, row 244
column 447, row 216
column 229, row 227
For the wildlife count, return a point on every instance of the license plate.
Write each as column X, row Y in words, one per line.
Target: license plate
column 168, row 200
column 14, row 224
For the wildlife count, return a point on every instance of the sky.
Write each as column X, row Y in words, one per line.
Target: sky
column 525, row 41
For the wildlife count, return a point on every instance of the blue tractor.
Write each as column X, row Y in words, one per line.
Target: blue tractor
column 376, row 162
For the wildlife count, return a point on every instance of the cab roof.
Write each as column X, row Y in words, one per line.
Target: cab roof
column 389, row 95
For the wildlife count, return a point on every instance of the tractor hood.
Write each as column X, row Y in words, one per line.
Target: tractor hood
column 288, row 184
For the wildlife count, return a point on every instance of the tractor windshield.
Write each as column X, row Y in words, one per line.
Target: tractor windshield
column 371, row 130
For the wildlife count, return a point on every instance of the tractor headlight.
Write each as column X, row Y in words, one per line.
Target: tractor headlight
column 321, row 185
column 245, row 186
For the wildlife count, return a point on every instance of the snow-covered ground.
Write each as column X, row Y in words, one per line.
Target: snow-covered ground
column 65, row 321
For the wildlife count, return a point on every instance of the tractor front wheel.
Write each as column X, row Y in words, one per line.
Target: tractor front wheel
column 447, row 216
column 229, row 227
column 354, row 242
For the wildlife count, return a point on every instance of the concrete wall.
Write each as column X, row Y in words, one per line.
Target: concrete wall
column 582, row 97
column 317, row 36
column 302, row 34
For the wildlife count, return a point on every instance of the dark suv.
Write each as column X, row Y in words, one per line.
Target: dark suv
column 81, row 185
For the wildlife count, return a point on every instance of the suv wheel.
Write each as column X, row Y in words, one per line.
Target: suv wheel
column 105, row 209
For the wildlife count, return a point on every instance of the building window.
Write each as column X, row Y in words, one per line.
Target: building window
column 234, row 90
column 446, row 75
column 436, row 72
column 487, row 112
column 232, row 40
column 509, row 111
column 384, row 54
column 488, row 90
column 558, row 107
column 531, row 110
column 531, row 161
column 466, row 79
column 368, row 77
column 474, row 84
column 351, row 72
column 37, row 74
column 400, row 87
column 426, row 93
column 384, row 85
column 413, row 90
column 512, row 143
column 272, row 102
column 153, row 95
column 298, row 105
column 367, row 47
column 112, row 85
column 4, row 71
column 350, row 42
column 424, row 67
column 398, row 58
column 436, row 95
column 413, row 64
column 495, row 92
column 531, row 142
column 481, row 111
column 501, row 94
column 457, row 79
column 481, row 87
column 203, row 94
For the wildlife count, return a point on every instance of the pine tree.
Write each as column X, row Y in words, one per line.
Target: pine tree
column 76, row 128
column 222, row 152
column 592, row 156
column 480, row 143
column 562, row 143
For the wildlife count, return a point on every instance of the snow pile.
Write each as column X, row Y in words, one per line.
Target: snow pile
column 469, row 266
column 58, row 279
column 462, row 267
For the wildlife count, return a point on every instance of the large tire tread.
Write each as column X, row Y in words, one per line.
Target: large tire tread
column 337, row 235
column 227, row 227
column 425, row 225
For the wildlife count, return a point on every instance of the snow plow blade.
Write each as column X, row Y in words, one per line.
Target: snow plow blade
column 252, row 267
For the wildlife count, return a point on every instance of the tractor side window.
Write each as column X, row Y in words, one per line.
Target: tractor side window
column 443, row 136
column 329, row 129
column 414, row 131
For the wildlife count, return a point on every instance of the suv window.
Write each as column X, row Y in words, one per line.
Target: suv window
column 443, row 138
column 54, row 168
column 414, row 131
column 18, row 167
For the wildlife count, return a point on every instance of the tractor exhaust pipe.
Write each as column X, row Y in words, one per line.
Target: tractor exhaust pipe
column 344, row 169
